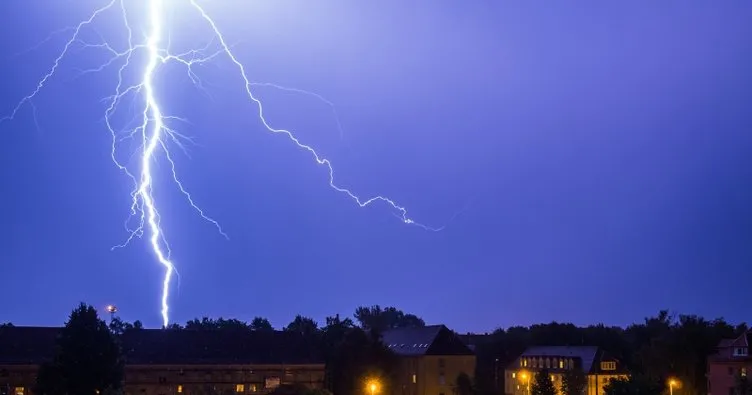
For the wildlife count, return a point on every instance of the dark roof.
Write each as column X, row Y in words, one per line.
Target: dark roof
column 427, row 340
column 30, row 345
column 587, row 357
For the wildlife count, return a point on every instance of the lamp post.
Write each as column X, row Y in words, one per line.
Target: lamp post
column 671, row 384
column 372, row 386
column 112, row 309
column 526, row 378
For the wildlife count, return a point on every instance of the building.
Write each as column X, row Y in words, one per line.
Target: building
column 731, row 361
column 162, row 362
column 597, row 365
column 430, row 360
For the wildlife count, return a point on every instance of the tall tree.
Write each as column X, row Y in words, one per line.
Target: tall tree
column 634, row 385
column 261, row 324
column 304, row 325
column 573, row 382
column 377, row 320
column 542, row 384
column 87, row 359
column 463, row 385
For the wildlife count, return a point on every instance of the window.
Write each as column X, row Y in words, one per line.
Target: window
column 240, row 388
column 608, row 365
column 162, row 380
column 19, row 390
column 415, row 378
column 740, row 351
column 442, row 379
column 553, row 378
column 561, row 364
column 524, row 362
column 180, row 389
column 514, row 374
column 548, row 363
column 442, row 363
column 253, row 388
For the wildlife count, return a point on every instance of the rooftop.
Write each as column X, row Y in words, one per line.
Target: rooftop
column 33, row 345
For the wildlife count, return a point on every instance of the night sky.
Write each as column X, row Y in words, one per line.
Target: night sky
column 599, row 154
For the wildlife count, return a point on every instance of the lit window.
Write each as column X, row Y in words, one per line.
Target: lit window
column 524, row 362
column 239, row 387
column 518, row 386
column 19, row 390
column 561, row 364
column 514, row 374
column 553, row 378
column 254, row 388
column 180, row 389
column 415, row 378
column 608, row 365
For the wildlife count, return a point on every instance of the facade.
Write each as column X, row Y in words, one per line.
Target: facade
column 597, row 365
column 166, row 362
column 731, row 361
column 430, row 360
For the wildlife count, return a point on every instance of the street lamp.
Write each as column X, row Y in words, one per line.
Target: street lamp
column 373, row 386
column 526, row 378
column 112, row 309
column 671, row 384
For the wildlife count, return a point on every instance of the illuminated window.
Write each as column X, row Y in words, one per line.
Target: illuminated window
column 561, row 364
column 553, row 378
column 239, row 387
column 608, row 365
column 514, row 374
column 415, row 378
column 518, row 386
column 19, row 390
column 524, row 362
column 180, row 389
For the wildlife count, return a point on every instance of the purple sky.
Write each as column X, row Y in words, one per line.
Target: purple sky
column 602, row 151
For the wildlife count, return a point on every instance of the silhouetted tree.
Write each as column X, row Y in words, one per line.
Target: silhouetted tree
column 542, row 384
column 87, row 359
column 261, row 324
column 304, row 325
column 742, row 385
column 573, row 382
column 634, row 385
column 220, row 323
column 463, row 385
column 6, row 325
column 376, row 319
column 354, row 356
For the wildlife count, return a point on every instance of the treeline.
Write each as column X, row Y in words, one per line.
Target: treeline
column 662, row 346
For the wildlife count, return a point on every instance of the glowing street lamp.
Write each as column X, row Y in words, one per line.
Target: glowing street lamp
column 526, row 378
column 671, row 384
column 373, row 386
column 112, row 309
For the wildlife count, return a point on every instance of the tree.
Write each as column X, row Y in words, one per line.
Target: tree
column 573, row 382
column 542, row 384
column 87, row 359
column 463, row 385
column 261, row 324
column 377, row 320
column 742, row 385
column 6, row 325
column 353, row 355
column 634, row 385
column 220, row 323
column 304, row 325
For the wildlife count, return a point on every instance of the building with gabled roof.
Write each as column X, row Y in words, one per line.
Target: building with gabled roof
column 731, row 360
column 598, row 366
column 431, row 359
column 161, row 361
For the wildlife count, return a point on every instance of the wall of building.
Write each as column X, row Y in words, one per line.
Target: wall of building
column 722, row 375
column 432, row 375
column 597, row 382
column 188, row 379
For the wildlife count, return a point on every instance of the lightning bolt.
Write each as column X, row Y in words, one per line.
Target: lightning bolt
column 153, row 128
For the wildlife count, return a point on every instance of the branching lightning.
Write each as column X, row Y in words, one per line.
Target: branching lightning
column 153, row 130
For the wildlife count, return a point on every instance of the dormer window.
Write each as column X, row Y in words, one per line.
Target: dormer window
column 740, row 351
column 608, row 365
